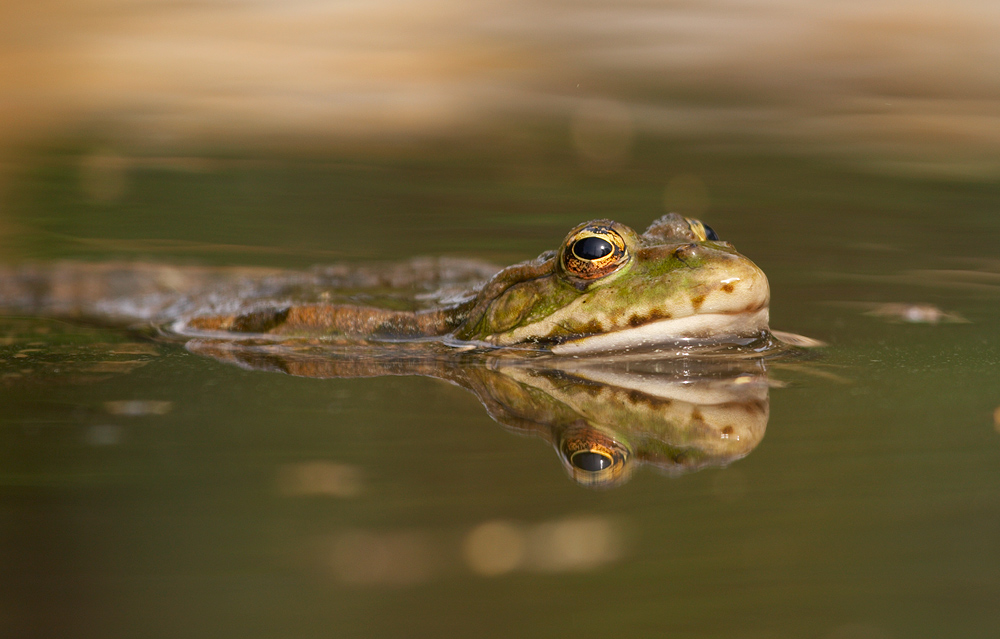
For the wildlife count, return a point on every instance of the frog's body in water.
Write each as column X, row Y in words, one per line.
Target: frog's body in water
column 606, row 288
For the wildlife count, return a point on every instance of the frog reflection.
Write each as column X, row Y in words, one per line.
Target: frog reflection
column 605, row 417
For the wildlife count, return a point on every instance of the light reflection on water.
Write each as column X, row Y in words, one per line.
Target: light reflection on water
column 491, row 549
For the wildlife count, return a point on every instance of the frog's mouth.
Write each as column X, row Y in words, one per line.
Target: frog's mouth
column 693, row 330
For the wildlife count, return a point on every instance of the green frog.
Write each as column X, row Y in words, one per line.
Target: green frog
column 607, row 288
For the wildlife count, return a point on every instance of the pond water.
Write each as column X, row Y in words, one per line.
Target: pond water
column 147, row 490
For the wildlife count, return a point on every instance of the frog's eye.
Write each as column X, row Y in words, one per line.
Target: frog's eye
column 593, row 458
column 593, row 252
column 592, row 248
column 702, row 231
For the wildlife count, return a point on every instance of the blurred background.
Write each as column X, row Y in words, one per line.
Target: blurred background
column 114, row 90
column 850, row 148
column 895, row 85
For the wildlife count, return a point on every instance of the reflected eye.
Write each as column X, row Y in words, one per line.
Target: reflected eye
column 594, row 251
column 594, row 458
column 591, row 461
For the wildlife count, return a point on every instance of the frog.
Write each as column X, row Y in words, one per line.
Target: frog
column 606, row 288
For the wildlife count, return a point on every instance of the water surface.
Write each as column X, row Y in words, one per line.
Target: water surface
column 148, row 491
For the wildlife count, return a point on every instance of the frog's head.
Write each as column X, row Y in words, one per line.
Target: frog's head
column 609, row 288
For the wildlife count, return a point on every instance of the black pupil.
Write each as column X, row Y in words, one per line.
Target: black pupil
column 592, row 248
column 710, row 233
column 591, row 461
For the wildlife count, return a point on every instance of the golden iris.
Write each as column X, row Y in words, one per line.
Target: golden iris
column 594, row 252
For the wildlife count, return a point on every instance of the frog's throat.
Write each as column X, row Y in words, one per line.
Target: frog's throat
column 706, row 328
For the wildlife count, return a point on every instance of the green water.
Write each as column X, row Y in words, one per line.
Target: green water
column 242, row 503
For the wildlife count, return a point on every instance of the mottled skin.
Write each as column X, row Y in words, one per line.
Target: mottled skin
column 670, row 272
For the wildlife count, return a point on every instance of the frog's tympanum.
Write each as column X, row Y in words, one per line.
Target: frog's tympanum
column 667, row 296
